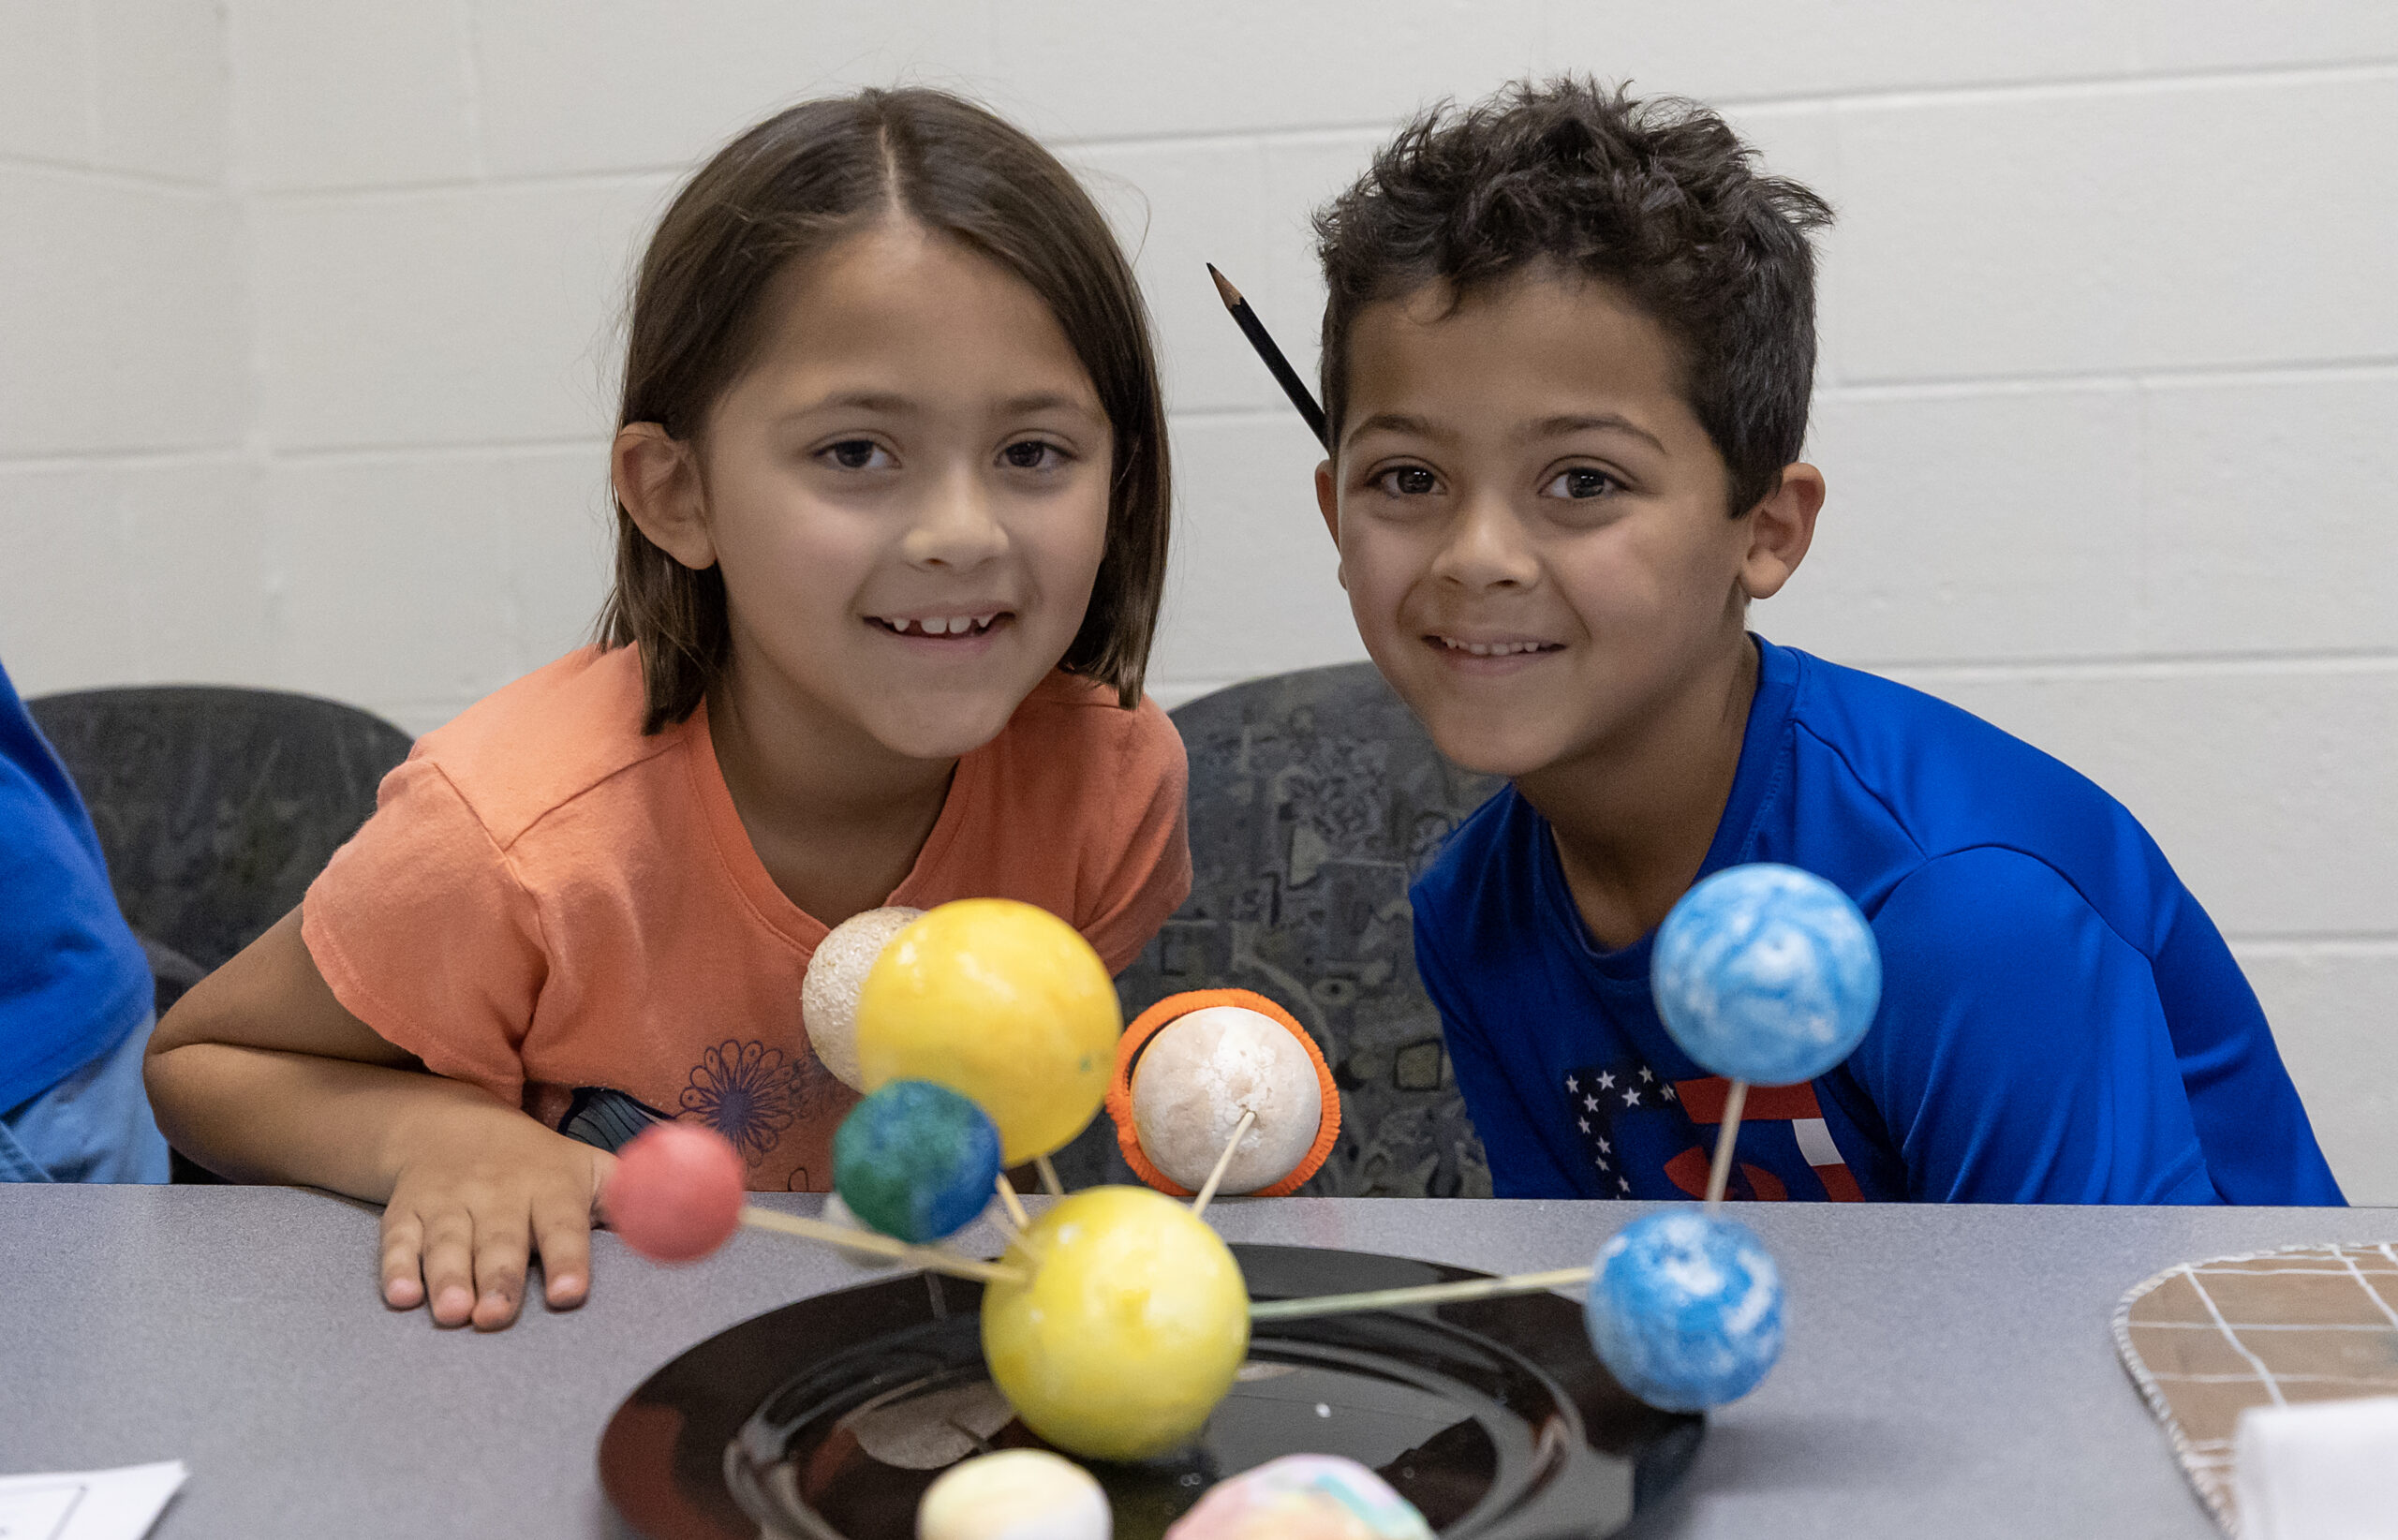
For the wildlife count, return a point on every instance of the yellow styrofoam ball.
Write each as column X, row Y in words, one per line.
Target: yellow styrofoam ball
column 1129, row 1330
column 1005, row 1004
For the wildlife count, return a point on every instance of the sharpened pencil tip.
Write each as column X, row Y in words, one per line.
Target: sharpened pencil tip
column 1224, row 287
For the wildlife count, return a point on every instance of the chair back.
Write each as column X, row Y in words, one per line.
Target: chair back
column 217, row 806
column 1315, row 798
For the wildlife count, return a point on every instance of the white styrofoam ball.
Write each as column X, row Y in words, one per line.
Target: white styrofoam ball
column 1199, row 1075
column 828, row 998
column 1016, row 1494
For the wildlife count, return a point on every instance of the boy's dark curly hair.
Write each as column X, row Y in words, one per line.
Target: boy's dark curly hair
column 1659, row 197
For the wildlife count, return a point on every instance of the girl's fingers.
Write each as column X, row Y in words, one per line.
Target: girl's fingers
column 502, row 1246
column 403, row 1260
column 450, row 1266
column 562, row 1234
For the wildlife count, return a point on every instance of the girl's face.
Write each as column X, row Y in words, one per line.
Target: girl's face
column 907, row 492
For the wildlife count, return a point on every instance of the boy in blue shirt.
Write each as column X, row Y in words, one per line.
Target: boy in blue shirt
column 1567, row 356
column 75, row 987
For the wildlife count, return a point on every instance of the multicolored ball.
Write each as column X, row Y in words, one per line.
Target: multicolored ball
column 1685, row 1310
column 1765, row 973
column 916, row 1161
column 1303, row 1497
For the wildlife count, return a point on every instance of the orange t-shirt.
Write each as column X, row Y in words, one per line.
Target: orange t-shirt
column 545, row 900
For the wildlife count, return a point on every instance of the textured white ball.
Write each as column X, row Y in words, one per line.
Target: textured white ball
column 1016, row 1494
column 828, row 998
column 1197, row 1076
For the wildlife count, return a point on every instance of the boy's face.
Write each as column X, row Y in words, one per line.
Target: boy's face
column 1532, row 523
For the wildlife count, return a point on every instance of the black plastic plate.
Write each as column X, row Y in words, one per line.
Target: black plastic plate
column 827, row 1419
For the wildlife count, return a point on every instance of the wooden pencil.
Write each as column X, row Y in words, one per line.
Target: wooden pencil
column 1276, row 364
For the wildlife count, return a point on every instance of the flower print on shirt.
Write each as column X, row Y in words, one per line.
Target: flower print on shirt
column 747, row 1091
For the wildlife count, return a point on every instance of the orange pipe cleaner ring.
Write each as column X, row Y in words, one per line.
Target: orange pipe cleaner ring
column 1174, row 1008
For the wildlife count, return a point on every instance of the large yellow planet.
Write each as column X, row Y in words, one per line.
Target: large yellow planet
column 1003, row 1003
column 1129, row 1330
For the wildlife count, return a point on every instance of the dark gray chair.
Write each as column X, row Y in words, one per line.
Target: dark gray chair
column 1315, row 798
column 216, row 806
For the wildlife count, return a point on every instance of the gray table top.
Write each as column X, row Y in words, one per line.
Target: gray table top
column 1950, row 1370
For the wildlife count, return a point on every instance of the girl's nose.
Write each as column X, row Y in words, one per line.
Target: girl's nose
column 1487, row 548
column 956, row 527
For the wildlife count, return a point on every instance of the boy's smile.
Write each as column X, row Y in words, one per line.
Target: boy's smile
column 1534, row 527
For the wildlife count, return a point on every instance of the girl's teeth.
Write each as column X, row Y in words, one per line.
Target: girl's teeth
column 1491, row 649
column 949, row 625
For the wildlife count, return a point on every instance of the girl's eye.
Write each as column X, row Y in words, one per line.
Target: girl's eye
column 1408, row 482
column 1032, row 454
column 1581, row 483
column 858, row 455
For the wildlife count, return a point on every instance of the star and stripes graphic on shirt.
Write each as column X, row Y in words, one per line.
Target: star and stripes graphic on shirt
column 1631, row 1121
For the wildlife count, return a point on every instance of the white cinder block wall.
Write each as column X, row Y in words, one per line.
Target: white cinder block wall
column 308, row 317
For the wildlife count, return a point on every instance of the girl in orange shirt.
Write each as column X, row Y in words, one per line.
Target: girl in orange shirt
column 892, row 511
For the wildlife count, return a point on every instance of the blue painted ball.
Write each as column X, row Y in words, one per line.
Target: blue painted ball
column 1685, row 1310
column 916, row 1161
column 1765, row 973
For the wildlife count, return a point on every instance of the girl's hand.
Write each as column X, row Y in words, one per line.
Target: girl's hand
column 261, row 1076
column 477, row 1190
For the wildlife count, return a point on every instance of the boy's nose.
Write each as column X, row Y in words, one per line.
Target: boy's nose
column 956, row 525
column 1487, row 548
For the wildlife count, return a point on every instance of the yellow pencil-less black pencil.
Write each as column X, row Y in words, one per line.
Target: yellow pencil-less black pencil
column 1276, row 364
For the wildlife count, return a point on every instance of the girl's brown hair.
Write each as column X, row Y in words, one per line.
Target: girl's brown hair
column 796, row 184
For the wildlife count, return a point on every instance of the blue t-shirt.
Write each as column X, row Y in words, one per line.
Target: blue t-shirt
column 2060, row 1020
column 73, row 981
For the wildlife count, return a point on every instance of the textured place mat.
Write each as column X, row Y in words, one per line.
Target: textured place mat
column 2208, row 1339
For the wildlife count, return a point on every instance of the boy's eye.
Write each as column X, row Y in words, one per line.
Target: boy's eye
column 1408, row 482
column 858, row 455
column 1580, row 482
column 1032, row 454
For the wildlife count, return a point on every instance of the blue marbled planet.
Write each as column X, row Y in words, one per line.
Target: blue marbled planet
column 916, row 1161
column 1685, row 1310
column 1765, row 973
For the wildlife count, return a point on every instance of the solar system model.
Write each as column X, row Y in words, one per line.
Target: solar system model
column 985, row 1033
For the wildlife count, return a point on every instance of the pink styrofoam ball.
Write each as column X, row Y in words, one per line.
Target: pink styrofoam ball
column 676, row 1192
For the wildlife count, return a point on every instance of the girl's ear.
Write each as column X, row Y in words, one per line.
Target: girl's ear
column 1781, row 527
column 658, row 482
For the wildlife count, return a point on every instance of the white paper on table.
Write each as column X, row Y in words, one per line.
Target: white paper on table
column 2318, row 1470
column 119, row 1504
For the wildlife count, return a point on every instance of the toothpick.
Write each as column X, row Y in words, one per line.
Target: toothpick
column 1049, row 1182
column 1720, row 1174
column 1425, row 1293
column 1014, row 1205
column 932, row 1258
column 1223, row 1162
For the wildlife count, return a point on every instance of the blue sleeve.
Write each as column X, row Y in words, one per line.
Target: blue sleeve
column 1521, row 1166
column 2021, row 1054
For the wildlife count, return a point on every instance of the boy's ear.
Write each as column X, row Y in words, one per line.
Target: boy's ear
column 1328, row 502
column 658, row 480
column 1781, row 527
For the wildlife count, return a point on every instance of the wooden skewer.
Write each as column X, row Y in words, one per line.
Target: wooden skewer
column 1208, row 1192
column 1049, row 1182
column 1720, row 1174
column 932, row 1258
column 1424, row 1294
column 1014, row 1205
